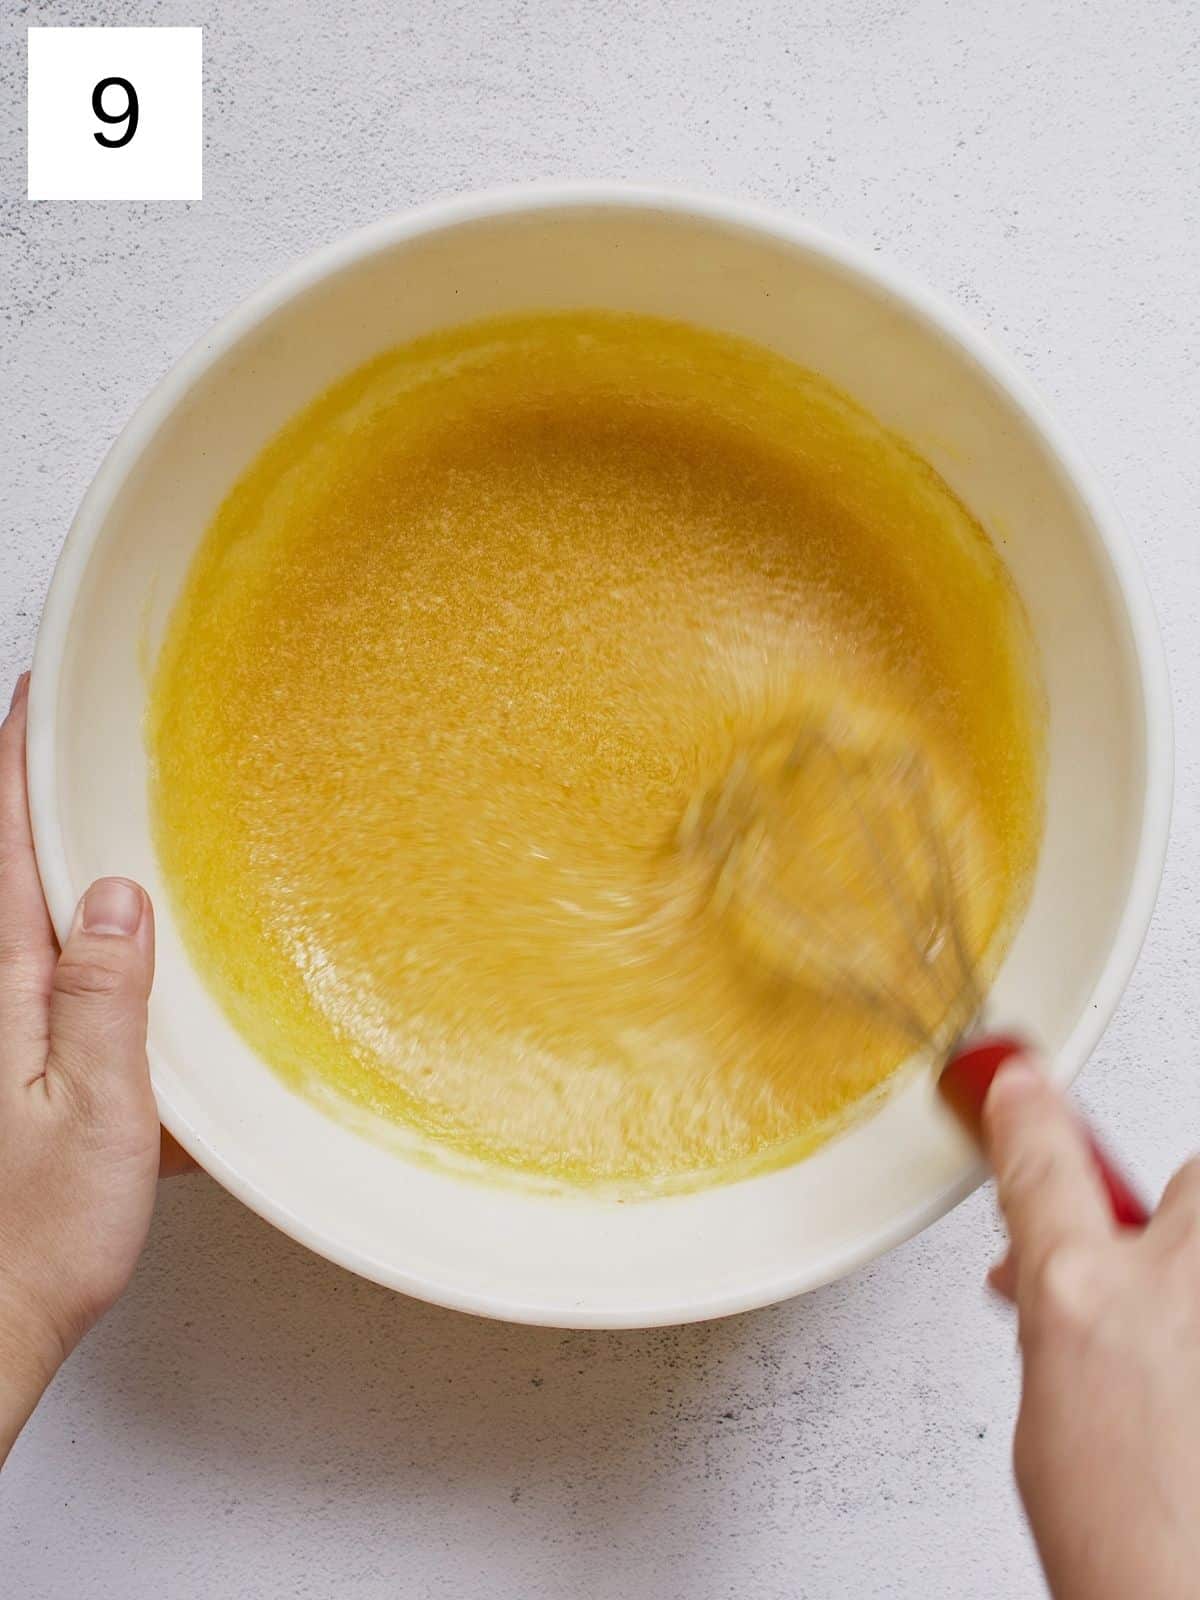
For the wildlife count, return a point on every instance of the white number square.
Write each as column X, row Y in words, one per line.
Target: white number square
column 115, row 114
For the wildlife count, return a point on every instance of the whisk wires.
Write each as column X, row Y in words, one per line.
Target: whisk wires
column 826, row 854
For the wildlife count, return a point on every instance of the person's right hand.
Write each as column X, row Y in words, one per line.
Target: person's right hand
column 1107, row 1446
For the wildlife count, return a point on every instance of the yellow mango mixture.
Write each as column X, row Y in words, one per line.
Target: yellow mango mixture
column 451, row 662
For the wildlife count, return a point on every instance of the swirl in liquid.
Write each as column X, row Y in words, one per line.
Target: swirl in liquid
column 452, row 659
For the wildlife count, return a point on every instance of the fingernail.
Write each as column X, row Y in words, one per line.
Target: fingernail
column 20, row 688
column 1016, row 1078
column 112, row 905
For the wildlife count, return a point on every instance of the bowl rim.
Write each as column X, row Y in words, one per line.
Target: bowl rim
column 941, row 319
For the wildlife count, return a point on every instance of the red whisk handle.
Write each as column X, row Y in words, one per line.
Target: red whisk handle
column 963, row 1084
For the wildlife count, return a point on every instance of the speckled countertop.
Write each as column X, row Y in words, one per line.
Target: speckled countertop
column 254, row 1423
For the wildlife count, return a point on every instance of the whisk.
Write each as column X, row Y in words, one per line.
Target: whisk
column 830, row 855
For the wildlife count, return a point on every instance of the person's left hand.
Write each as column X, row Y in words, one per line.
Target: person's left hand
column 80, row 1144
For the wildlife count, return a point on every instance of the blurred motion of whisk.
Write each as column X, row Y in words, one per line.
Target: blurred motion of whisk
column 827, row 857
column 826, row 854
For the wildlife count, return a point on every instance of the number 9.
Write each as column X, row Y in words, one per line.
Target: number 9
column 129, row 115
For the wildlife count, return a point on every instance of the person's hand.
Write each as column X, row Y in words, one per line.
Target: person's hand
column 1107, row 1447
column 79, row 1133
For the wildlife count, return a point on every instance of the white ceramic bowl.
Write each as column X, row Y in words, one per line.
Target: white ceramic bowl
column 574, row 1260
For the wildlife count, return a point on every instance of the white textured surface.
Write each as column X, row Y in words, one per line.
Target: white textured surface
column 251, row 1422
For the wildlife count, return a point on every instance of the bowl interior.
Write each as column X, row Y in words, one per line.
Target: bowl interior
column 494, row 1248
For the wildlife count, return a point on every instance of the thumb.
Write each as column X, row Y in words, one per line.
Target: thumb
column 99, row 995
column 1046, row 1178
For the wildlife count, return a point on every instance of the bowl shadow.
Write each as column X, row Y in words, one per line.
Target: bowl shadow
column 248, row 1358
